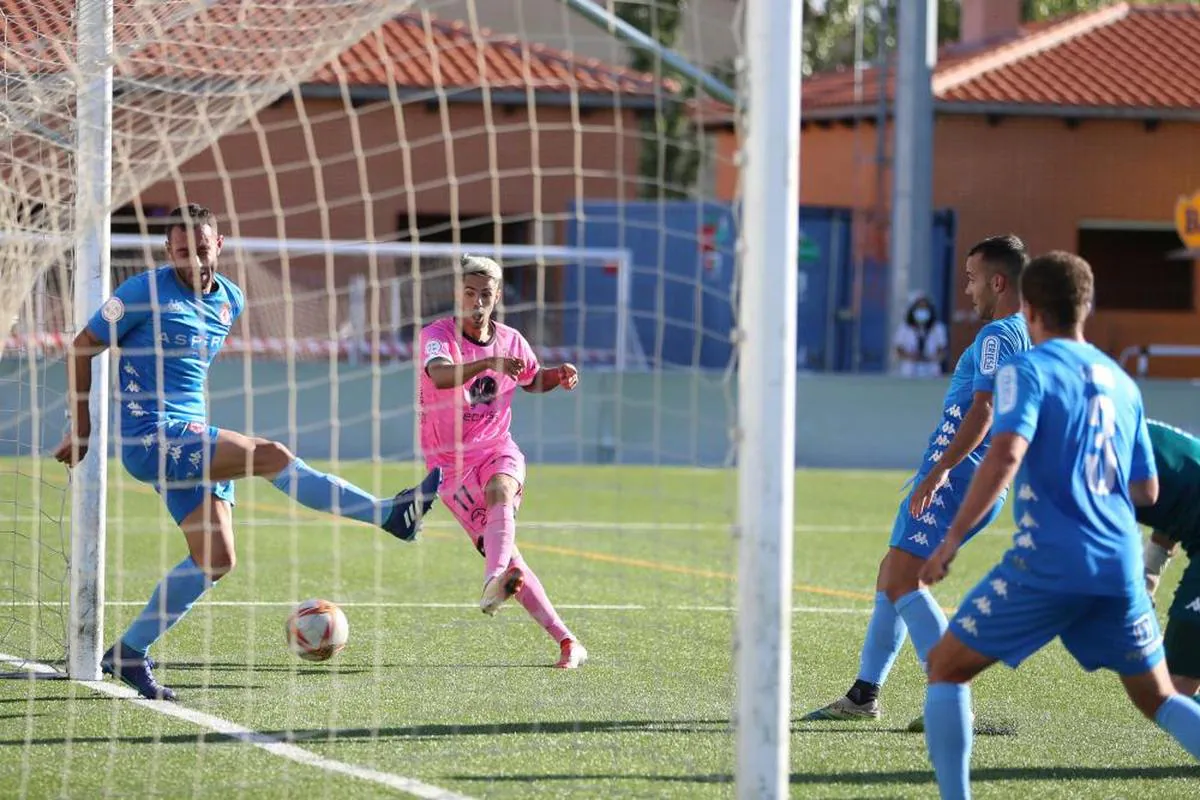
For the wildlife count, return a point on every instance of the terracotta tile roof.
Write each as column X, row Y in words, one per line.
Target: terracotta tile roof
column 1125, row 56
column 416, row 53
column 223, row 41
column 1120, row 58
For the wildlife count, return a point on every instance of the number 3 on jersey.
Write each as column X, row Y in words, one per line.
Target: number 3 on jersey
column 1100, row 462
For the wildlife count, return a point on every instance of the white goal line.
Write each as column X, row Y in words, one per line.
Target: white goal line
column 271, row 744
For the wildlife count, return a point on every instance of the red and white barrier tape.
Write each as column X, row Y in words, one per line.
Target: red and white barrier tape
column 304, row 349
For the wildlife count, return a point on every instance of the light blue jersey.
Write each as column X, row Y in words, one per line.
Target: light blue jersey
column 161, row 325
column 1082, row 416
column 168, row 336
column 975, row 372
column 1074, row 570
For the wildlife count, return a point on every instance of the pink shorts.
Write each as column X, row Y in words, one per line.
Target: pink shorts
column 464, row 491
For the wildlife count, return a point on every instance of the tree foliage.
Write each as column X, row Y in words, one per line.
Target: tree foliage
column 832, row 27
column 671, row 145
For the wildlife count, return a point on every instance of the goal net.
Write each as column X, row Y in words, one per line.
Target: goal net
column 353, row 151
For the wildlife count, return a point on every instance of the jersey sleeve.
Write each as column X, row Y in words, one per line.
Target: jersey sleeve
column 128, row 307
column 1018, row 399
column 993, row 348
column 1143, row 467
column 529, row 356
column 238, row 299
column 435, row 346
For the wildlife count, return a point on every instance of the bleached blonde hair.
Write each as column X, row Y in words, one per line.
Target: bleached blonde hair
column 481, row 265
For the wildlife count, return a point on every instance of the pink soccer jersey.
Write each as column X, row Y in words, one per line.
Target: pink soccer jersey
column 475, row 417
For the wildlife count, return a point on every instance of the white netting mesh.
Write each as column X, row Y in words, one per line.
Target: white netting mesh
column 420, row 128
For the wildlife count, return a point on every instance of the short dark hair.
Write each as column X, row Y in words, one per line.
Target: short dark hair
column 1005, row 254
column 193, row 214
column 1060, row 286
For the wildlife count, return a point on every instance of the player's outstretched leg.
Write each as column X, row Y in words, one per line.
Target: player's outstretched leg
column 532, row 596
column 208, row 527
column 238, row 456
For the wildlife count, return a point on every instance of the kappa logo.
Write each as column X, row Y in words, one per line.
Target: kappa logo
column 920, row 538
column 1194, row 606
column 967, row 623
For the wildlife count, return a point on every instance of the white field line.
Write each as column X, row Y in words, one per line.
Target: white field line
column 467, row 606
column 594, row 526
column 262, row 741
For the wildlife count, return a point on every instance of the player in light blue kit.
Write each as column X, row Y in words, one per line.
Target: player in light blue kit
column 956, row 447
column 1071, row 420
column 169, row 323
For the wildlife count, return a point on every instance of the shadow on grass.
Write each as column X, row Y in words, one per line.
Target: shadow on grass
column 868, row 778
column 331, row 669
column 409, row 732
column 209, row 666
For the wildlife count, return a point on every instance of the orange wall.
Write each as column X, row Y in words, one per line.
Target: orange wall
column 1037, row 178
column 507, row 166
column 307, row 176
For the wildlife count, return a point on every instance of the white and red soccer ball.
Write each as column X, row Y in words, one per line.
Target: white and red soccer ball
column 317, row 630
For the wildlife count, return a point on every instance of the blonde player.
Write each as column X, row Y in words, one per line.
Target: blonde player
column 471, row 368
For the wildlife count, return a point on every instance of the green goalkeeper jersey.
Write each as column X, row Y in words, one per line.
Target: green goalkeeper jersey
column 1177, row 512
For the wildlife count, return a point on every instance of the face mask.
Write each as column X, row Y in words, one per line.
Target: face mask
column 922, row 315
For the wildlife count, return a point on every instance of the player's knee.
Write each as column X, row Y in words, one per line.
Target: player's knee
column 216, row 564
column 271, row 458
column 501, row 490
column 942, row 667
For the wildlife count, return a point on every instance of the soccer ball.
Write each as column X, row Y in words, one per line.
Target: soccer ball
column 317, row 630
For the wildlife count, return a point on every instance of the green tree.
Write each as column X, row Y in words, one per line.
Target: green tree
column 671, row 144
column 830, row 26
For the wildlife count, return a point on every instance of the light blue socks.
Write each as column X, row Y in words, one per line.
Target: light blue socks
column 324, row 492
column 948, row 735
column 885, row 637
column 1180, row 717
column 172, row 598
column 925, row 620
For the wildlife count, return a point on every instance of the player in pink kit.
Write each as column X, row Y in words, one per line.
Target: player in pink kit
column 471, row 367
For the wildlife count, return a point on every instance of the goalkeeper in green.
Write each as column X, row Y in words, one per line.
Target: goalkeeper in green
column 1175, row 522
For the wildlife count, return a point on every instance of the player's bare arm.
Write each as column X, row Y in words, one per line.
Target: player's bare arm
column 970, row 434
column 447, row 375
column 997, row 471
column 548, row 379
column 74, row 445
column 1145, row 492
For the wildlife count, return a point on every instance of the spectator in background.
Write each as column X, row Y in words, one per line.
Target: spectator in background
column 921, row 340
